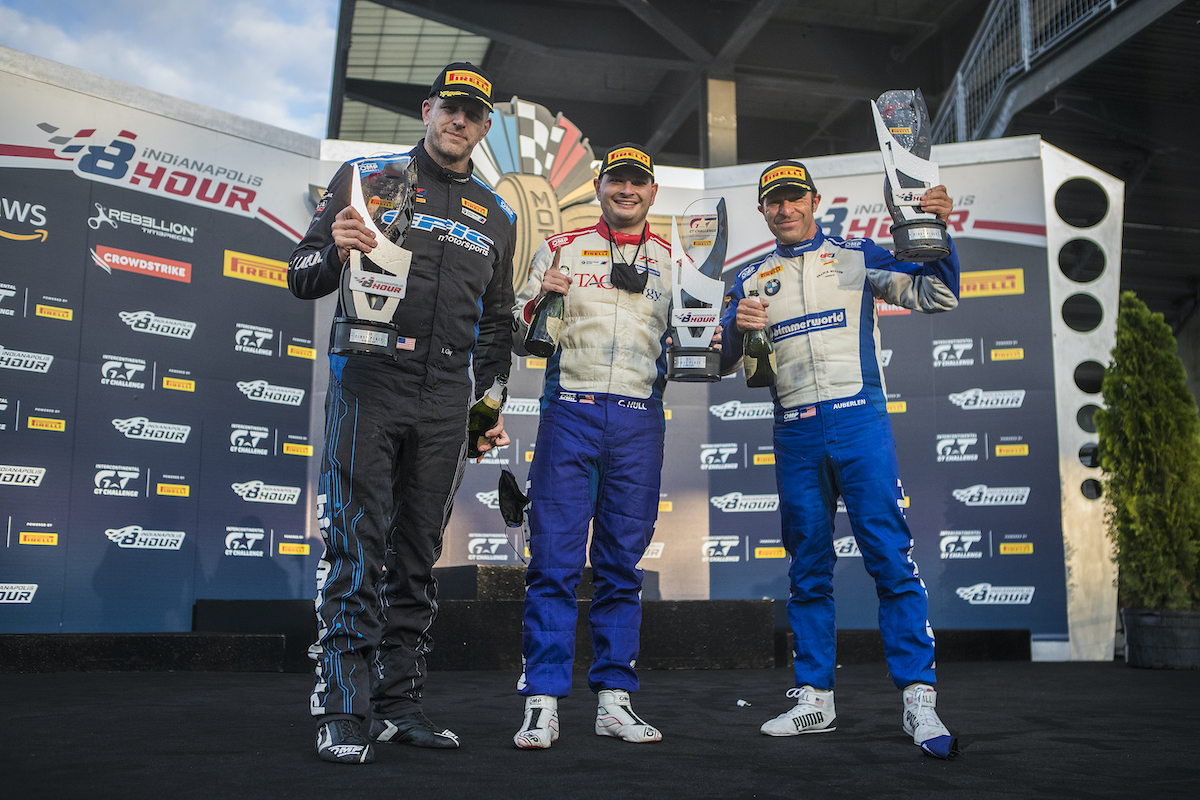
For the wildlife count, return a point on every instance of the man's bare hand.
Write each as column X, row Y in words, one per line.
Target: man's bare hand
column 351, row 233
column 496, row 437
column 554, row 280
column 751, row 314
column 937, row 201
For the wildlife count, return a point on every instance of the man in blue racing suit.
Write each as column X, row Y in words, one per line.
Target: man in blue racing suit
column 832, row 437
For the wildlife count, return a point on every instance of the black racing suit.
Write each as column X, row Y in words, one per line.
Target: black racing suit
column 395, row 434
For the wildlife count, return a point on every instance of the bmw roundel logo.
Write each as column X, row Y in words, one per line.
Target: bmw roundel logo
column 773, row 287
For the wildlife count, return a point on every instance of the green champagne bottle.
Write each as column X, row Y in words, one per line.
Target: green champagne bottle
column 759, row 355
column 483, row 416
column 541, row 339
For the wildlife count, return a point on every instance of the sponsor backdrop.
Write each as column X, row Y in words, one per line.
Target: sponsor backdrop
column 160, row 384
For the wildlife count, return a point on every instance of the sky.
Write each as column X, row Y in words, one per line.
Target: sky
column 269, row 60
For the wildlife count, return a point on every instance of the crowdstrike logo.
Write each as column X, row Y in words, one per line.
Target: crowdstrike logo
column 251, row 338
column 736, row 502
column 21, row 476
column 978, row 399
column 113, row 480
column 144, row 429
column 110, row 258
column 952, row 352
column 259, row 492
column 846, row 547
column 485, row 547
column 17, row 592
column 983, row 495
column 721, row 549
column 737, row 410
column 716, row 456
column 149, row 322
column 264, row 392
column 243, row 542
column 25, row 362
column 984, row 594
column 957, row 545
column 135, row 537
column 121, row 371
column 953, row 447
column 244, row 439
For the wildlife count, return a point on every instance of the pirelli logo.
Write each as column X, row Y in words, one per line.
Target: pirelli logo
column 897, row 406
column 293, row 449
column 469, row 78
column 1016, row 548
column 783, row 172
column 665, row 506
column 46, row 424
column 594, row 253
column 38, row 537
column 990, row 283
column 764, row 459
column 770, row 552
column 174, row 489
column 1003, row 450
column 1008, row 354
column 773, row 270
column 296, row 351
column 631, row 153
column 528, row 456
column 900, row 131
column 55, row 312
column 293, row 549
column 179, row 384
column 246, row 267
column 535, row 363
column 478, row 209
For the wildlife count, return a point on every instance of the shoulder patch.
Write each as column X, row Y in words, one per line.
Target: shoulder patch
column 504, row 206
column 566, row 237
column 748, row 270
column 849, row 244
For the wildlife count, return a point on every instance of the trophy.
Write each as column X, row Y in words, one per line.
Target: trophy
column 373, row 284
column 902, row 125
column 697, row 292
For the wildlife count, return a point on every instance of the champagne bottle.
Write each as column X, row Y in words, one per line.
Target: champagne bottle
column 541, row 339
column 483, row 416
column 759, row 355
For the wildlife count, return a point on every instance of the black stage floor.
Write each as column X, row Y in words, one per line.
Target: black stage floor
column 1030, row 730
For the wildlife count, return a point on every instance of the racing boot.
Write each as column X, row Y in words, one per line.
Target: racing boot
column 615, row 717
column 414, row 729
column 539, row 730
column 341, row 742
column 813, row 713
column 922, row 723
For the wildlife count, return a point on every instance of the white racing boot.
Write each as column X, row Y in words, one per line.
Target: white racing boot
column 540, row 727
column 922, row 723
column 813, row 713
column 615, row 717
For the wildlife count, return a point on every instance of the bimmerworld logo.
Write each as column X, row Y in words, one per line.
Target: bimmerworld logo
column 149, row 322
column 737, row 410
column 135, row 537
column 251, row 338
column 821, row 321
column 953, row 352
column 115, row 480
column 247, row 439
column 978, row 399
column 264, row 392
column 846, row 547
column 954, row 447
column 259, row 492
column 984, row 594
column 957, row 544
column 721, row 549
column 147, row 431
column 716, row 456
column 17, row 592
column 983, row 495
column 21, row 476
column 487, row 547
column 121, row 371
column 243, row 542
column 25, row 361
column 736, row 502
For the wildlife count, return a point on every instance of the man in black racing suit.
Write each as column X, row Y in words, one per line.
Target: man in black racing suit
column 396, row 430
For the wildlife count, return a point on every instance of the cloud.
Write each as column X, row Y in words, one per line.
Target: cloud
column 271, row 61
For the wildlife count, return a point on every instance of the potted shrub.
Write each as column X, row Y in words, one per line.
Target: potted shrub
column 1149, row 438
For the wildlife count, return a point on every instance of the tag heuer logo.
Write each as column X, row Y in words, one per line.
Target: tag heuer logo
column 982, row 495
column 977, row 399
column 957, row 544
column 134, row 537
column 265, row 392
column 25, row 362
column 149, row 322
column 144, row 429
column 259, row 492
column 984, row 594
column 737, row 410
column 21, row 476
column 738, row 502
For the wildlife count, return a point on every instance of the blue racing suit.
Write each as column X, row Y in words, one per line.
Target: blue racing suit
column 598, row 458
column 833, row 438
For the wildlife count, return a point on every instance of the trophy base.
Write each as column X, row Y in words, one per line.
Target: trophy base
column 693, row 364
column 363, row 337
column 921, row 240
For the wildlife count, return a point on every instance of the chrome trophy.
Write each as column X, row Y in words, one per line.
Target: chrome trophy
column 697, row 292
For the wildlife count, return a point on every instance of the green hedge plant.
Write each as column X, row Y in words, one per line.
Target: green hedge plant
column 1149, row 437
